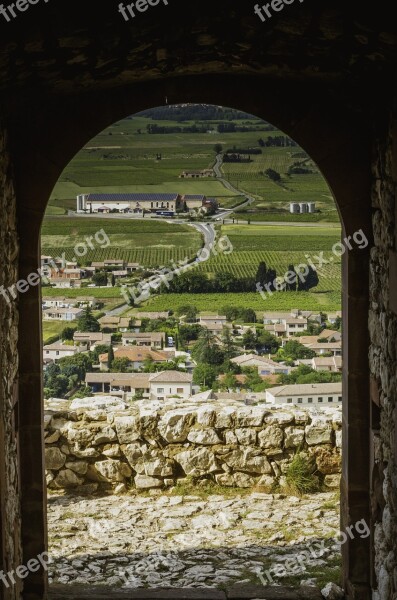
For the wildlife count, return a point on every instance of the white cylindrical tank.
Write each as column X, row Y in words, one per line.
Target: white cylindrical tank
column 303, row 207
column 312, row 207
column 294, row 208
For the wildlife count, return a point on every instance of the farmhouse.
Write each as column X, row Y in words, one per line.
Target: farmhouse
column 197, row 174
column 136, row 203
column 308, row 393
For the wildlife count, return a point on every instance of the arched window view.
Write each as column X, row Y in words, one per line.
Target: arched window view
column 192, row 350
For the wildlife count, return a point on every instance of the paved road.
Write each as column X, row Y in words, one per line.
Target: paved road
column 207, row 230
column 227, row 184
column 282, row 223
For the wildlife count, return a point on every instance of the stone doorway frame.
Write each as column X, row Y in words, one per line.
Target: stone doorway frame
column 338, row 140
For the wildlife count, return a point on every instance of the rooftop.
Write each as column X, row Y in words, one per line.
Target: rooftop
column 171, row 377
column 305, row 389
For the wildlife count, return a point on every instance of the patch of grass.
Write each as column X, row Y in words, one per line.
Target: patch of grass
column 301, row 477
column 192, row 487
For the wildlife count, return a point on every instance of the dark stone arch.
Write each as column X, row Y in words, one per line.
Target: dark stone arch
column 339, row 142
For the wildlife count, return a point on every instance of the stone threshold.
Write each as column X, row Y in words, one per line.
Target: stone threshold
column 238, row 592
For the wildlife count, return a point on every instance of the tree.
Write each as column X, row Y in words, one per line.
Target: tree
column 218, row 148
column 205, row 375
column 253, row 380
column 98, row 350
column 68, row 333
column 100, row 279
column 292, row 283
column 188, row 311
column 228, row 346
column 268, row 343
column 295, row 349
column 230, row 382
column 309, row 281
column 87, row 321
column 249, row 340
column 110, row 356
column 338, row 323
column 261, row 273
column 225, row 282
column 120, row 365
column 206, row 349
column 271, row 277
column 273, row 175
column 305, row 374
column 189, row 333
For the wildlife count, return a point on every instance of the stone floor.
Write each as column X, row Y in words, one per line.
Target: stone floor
column 139, row 545
column 236, row 593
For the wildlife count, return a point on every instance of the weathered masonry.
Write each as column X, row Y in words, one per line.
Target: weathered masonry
column 323, row 72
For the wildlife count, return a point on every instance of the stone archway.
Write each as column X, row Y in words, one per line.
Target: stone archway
column 340, row 145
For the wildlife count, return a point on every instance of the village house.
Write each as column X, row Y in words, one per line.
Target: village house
column 92, row 339
column 115, row 323
column 152, row 315
column 332, row 317
column 327, row 363
column 62, row 314
column 120, row 274
column 152, row 339
column 308, row 393
column 62, row 283
column 168, row 384
column 129, row 384
column 294, row 325
column 209, row 320
column 156, row 386
column 334, row 348
column 136, row 357
column 58, row 350
column 266, row 366
column 276, row 329
column 331, row 335
column 65, row 302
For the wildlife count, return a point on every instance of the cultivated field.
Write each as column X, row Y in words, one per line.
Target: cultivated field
column 149, row 243
column 126, row 158
column 212, row 303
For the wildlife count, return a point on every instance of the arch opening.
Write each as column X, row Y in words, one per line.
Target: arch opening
column 243, row 217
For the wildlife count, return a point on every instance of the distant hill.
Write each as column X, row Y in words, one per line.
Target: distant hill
column 197, row 112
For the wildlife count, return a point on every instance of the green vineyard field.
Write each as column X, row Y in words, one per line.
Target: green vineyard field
column 281, row 301
column 245, row 264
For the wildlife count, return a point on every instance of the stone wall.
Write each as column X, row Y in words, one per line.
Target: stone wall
column 383, row 364
column 10, row 551
column 100, row 444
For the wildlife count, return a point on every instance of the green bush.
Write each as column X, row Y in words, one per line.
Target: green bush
column 301, row 475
